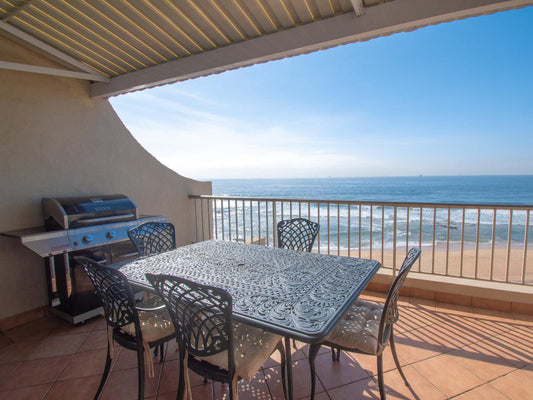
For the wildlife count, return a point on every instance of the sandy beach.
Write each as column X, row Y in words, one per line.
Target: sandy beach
column 499, row 264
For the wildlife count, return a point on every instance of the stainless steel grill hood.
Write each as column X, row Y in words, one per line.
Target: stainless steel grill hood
column 75, row 212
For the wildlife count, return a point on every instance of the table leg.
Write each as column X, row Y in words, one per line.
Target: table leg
column 288, row 359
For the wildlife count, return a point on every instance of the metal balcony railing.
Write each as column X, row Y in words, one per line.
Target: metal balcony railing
column 482, row 242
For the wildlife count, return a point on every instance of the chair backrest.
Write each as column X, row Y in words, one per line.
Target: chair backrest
column 297, row 234
column 390, row 310
column 202, row 315
column 115, row 292
column 153, row 237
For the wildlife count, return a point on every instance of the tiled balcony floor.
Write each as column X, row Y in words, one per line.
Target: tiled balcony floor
column 448, row 352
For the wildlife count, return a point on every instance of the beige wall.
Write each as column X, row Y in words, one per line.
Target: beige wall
column 56, row 141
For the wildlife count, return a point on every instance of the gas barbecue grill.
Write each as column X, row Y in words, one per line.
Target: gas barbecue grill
column 94, row 226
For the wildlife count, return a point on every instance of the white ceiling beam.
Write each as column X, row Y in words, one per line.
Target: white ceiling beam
column 49, row 50
column 358, row 7
column 388, row 18
column 51, row 71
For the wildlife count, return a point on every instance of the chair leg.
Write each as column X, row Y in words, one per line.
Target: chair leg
column 395, row 356
column 281, row 350
column 181, row 382
column 335, row 357
column 313, row 351
column 382, row 394
column 104, row 375
column 140, row 372
column 233, row 388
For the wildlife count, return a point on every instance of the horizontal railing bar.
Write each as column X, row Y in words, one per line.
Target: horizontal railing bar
column 373, row 203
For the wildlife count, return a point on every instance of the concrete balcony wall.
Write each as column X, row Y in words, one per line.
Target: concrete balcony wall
column 57, row 141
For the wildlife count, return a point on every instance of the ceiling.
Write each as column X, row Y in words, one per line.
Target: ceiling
column 125, row 45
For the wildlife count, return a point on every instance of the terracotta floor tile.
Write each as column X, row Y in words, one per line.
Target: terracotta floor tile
column 448, row 375
column 86, row 363
column 468, row 328
column 523, row 319
column 334, row 374
column 126, row 359
column 419, row 387
column 26, row 393
column 484, row 360
column 518, row 343
column 257, row 389
column 319, row 396
column 494, row 315
column 34, row 330
column 57, row 346
column 35, row 372
column 361, row 390
column 301, row 381
column 170, row 377
column 97, row 339
column 425, row 303
column 369, row 363
column 4, row 340
column 202, row 392
column 172, row 396
column 7, row 369
column 448, row 338
column 454, row 309
column 124, row 384
column 479, row 347
column 415, row 346
column 78, row 389
column 275, row 358
column 171, row 351
column 516, row 385
column 123, row 358
column 274, row 382
column 99, row 323
column 485, row 392
column 66, row 328
column 412, row 318
column 17, row 351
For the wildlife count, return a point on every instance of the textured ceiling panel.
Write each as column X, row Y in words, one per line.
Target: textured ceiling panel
column 119, row 36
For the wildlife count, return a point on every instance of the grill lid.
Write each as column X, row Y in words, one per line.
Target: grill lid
column 72, row 212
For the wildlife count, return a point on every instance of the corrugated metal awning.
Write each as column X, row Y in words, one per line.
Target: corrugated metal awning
column 133, row 44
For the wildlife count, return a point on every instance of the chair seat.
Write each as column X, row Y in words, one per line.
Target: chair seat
column 358, row 328
column 252, row 346
column 155, row 325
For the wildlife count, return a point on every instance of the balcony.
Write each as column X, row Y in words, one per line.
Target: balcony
column 465, row 329
column 448, row 351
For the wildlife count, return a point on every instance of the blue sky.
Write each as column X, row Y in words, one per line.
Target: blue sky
column 450, row 99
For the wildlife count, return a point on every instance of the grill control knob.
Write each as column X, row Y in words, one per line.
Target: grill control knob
column 87, row 239
column 111, row 235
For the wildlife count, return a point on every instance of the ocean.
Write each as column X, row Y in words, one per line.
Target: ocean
column 377, row 221
column 499, row 190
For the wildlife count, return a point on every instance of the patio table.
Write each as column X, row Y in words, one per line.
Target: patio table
column 296, row 294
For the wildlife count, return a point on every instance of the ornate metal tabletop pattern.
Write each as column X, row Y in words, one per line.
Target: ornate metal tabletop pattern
column 291, row 292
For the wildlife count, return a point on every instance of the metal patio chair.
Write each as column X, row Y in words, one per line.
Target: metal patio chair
column 210, row 343
column 297, row 234
column 153, row 237
column 367, row 328
column 128, row 324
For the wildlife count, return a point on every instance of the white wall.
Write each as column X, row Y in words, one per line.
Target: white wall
column 57, row 141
